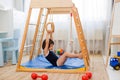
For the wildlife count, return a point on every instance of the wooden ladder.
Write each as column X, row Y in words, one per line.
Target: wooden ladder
column 39, row 32
column 81, row 38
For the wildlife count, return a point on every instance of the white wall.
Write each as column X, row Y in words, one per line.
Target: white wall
column 6, row 21
column 6, row 16
column 7, row 3
column 116, row 20
column 19, row 4
column 9, row 17
column 26, row 6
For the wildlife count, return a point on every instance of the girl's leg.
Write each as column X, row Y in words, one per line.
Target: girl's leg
column 66, row 55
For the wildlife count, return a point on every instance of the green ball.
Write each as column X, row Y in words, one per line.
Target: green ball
column 58, row 52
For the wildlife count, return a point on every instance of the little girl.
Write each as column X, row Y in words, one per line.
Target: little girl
column 49, row 54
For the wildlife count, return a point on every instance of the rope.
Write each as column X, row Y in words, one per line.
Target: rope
column 51, row 16
column 51, row 23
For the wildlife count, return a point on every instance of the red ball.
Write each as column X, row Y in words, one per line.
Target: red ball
column 61, row 50
column 89, row 74
column 44, row 77
column 84, row 77
column 33, row 75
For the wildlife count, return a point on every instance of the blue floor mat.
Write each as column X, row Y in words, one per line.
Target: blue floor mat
column 41, row 62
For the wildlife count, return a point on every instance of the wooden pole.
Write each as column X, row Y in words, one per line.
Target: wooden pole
column 110, row 36
column 39, row 50
column 36, row 32
column 24, row 38
column 81, row 38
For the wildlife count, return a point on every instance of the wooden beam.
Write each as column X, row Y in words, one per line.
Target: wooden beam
column 50, row 3
column 116, row 43
column 116, row 1
column 24, row 38
column 81, row 38
column 39, row 50
column 36, row 32
column 59, row 10
column 115, row 36
column 110, row 36
column 70, row 71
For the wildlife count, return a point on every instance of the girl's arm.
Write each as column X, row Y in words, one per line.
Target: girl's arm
column 51, row 35
column 47, row 44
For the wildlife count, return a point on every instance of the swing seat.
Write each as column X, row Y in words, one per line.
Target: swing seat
column 41, row 62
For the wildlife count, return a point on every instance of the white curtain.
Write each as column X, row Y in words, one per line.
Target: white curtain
column 95, row 16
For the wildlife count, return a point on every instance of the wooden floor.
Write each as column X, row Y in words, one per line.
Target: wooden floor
column 97, row 68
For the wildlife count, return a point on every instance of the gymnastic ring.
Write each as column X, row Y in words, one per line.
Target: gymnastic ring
column 52, row 26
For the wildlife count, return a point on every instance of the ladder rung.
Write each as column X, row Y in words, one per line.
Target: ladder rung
column 43, row 15
column 39, row 35
column 116, row 36
column 28, row 46
column 32, row 24
column 41, row 22
column 40, row 31
column 35, row 24
column 117, row 43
